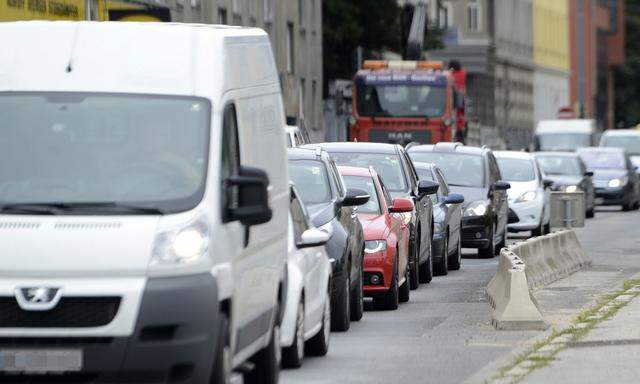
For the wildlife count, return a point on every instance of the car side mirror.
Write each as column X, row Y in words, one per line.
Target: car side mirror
column 547, row 183
column 251, row 188
column 427, row 187
column 454, row 198
column 313, row 237
column 588, row 174
column 400, row 205
column 355, row 197
column 501, row 186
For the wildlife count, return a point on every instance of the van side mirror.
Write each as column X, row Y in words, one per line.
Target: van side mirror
column 252, row 193
column 546, row 183
column 427, row 187
column 588, row 174
column 454, row 198
column 313, row 237
column 355, row 197
column 400, row 205
column 501, row 186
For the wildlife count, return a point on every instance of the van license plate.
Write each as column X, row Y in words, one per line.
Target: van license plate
column 40, row 361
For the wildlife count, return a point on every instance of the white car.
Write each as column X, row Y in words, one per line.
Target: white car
column 528, row 196
column 307, row 311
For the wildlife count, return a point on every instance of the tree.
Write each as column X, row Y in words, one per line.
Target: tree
column 627, row 76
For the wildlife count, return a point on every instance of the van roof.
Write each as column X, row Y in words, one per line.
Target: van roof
column 568, row 126
column 140, row 58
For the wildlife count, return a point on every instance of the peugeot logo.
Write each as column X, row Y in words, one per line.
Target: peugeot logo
column 38, row 298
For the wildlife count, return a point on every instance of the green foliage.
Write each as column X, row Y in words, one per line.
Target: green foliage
column 627, row 77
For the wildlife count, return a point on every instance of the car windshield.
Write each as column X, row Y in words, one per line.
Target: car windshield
column 311, row 180
column 388, row 166
column 368, row 185
column 603, row 160
column 516, row 169
column 559, row 165
column 103, row 150
column 630, row 143
column 460, row 170
column 399, row 100
column 563, row 141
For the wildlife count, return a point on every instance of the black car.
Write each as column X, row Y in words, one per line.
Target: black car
column 447, row 220
column 394, row 166
column 615, row 178
column 473, row 172
column 567, row 173
column 331, row 207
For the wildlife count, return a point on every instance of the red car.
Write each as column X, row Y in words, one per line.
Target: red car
column 386, row 257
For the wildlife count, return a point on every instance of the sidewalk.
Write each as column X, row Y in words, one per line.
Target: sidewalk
column 608, row 353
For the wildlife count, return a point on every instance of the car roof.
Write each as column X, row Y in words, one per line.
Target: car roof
column 356, row 147
column 422, row 165
column 299, row 153
column 450, row 147
column 601, row 149
column 354, row 171
column 557, row 154
column 513, row 155
column 621, row 132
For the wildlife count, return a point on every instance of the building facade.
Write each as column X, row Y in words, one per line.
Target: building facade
column 295, row 28
column 551, row 57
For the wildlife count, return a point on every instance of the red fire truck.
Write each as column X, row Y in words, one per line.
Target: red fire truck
column 407, row 101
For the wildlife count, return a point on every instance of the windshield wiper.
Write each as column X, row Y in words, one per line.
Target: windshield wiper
column 62, row 208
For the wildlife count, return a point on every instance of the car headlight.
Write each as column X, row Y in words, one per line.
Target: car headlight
column 180, row 246
column 373, row 246
column 527, row 197
column 328, row 228
column 617, row 182
column 571, row 188
column 477, row 208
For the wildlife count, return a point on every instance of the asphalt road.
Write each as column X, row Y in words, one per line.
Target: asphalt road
column 443, row 335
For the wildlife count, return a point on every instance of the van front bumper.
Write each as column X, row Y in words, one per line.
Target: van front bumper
column 174, row 339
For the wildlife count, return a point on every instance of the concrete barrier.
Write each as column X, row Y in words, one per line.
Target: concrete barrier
column 525, row 266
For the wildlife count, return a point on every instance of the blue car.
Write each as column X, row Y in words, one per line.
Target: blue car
column 447, row 216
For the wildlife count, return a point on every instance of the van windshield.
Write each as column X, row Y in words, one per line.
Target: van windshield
column 563, row 141
column 98, row 153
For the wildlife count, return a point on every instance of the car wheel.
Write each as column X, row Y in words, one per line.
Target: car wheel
column 414, row 273
column 591, row 213
column 627, row 207
column 341, row 308
column 222, row 365
column 502, row 243
column 538, row 231
column 442, row 267
column 426, row 271
column 357, row 299
column 489, row 251
column 547, row 228
column 456, row 261
column 267, row 361
column 390, row 300
column 405, row 290
column 292, row 356
column 318, row 345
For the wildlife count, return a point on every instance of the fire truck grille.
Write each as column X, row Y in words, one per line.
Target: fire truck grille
column 399, row 137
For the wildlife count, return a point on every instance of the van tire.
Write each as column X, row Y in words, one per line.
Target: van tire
column 222, row 364
column 341, row 308
column 267, row 360
column 293, row 355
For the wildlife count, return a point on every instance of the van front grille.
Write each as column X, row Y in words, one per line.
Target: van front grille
column 71, row 312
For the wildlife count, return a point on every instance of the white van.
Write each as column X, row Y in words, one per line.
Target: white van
column 565, row 134
column 143, row 202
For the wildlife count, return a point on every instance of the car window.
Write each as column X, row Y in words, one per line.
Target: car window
column 230, row 162
column 603, row 160
column 413, row 176
column 444, row 188
column 494, row 170
column 338, row 180
column 461, row 169
column 560, row 165
column 516, row 169
column 368, row 185
column 312, row 180
column 298, row 217
column 388, row 166
column 385, row 192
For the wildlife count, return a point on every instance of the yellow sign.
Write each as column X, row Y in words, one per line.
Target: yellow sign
column 13, row 10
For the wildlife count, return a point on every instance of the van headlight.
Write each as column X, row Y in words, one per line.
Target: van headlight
column 374, row 246
column 527, row 197
column 179, row 246
column 477, row 208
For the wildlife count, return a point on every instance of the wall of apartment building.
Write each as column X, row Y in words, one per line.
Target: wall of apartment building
column 295, row 28
column 551, row 57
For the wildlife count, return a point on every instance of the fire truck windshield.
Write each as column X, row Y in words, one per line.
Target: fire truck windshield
column 400, row 100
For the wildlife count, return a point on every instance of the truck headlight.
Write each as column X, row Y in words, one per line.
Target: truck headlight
column 374, row 246
column 477, row 208
column 527, row 197
column 183, row 245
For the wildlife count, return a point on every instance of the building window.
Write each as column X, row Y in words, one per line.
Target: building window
column 267, row 10
column 236, row 7
column 314, row 100
column 445, row 18
column 314, row 15
column 302, row 14
column 473, row 17
column 222, row 16
column 290, row 48
column 303, row 98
